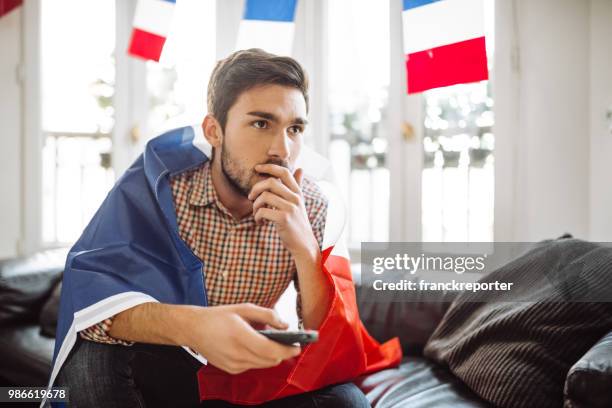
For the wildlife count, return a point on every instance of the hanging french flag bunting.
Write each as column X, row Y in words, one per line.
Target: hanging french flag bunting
column 151, row 26
column 444, row 43
column 268, row 24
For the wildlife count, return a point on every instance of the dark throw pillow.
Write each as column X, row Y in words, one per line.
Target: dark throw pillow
column 516, row 352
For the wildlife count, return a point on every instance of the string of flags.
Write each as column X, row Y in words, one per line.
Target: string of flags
column 151, row 26
column 444, row 43
column 444, row 40
column 268, row 24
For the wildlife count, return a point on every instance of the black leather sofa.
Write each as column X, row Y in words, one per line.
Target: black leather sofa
column 420, row 383
column 26, row 285
column 28, row 307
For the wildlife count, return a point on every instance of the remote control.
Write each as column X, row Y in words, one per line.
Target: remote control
column 291, row 337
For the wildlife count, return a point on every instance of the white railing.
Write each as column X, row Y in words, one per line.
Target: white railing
column 77, row 174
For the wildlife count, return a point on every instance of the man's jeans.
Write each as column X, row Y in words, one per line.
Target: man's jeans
column 147, row 375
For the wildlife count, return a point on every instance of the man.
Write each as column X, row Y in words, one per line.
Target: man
column 248, row 215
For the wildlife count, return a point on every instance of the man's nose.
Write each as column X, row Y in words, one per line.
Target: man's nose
column 280, row 146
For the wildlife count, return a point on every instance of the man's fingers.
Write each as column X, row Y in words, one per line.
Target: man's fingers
column 280, row 172
column 271, row 200
column 268, row 214
column 264, row 346
column 263, row 354
column 258, row 314
column 267, row 351
column 257, row 351
column 254, row 360
column 299, row 176
column 275, row 186
column 235, row 345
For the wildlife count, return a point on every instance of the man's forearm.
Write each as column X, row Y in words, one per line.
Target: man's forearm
column 156, row 323
column 314, row 289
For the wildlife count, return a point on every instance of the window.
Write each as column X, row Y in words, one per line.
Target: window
column 458, row 174
column 176, row 86
column 358, row 64
column 78, row 86
column 78, row 75
column 458, row 145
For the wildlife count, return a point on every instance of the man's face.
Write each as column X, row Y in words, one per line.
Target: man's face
column 265, row 125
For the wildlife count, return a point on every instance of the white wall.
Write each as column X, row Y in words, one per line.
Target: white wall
column 10, row 131
column 601, row 137
column 542, row 92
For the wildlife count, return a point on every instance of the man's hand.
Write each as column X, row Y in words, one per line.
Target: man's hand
column 225, row 337
column 279, row 199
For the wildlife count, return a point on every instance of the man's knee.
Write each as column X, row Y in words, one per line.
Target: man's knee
column 94, row 373
column 346, row 395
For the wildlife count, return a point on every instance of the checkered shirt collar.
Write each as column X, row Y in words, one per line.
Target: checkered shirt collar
column 202, row 193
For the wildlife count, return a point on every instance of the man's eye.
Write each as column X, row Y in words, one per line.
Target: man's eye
column 294, row 130
column 260, row 124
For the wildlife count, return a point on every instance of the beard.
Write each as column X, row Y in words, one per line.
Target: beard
column 242, row 179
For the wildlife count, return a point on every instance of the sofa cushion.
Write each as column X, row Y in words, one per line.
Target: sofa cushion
column 516, row 351
column 25, row 284
column 417, row 383
column 588, row 381
column 25, row 355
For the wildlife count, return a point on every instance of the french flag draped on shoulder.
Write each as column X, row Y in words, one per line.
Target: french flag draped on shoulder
column 268, row 24
column 151, row 26
column 444, row 43
column 131, row 253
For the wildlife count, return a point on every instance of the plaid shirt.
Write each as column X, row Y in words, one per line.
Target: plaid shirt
column 244, row 262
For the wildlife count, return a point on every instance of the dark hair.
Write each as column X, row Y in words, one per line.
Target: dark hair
column 247, row 69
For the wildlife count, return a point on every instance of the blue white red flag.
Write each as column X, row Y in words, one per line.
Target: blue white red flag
column 151, row 26
column 444, row 43
column 268, row 24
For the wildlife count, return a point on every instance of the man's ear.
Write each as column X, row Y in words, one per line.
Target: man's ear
column 212, row 130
